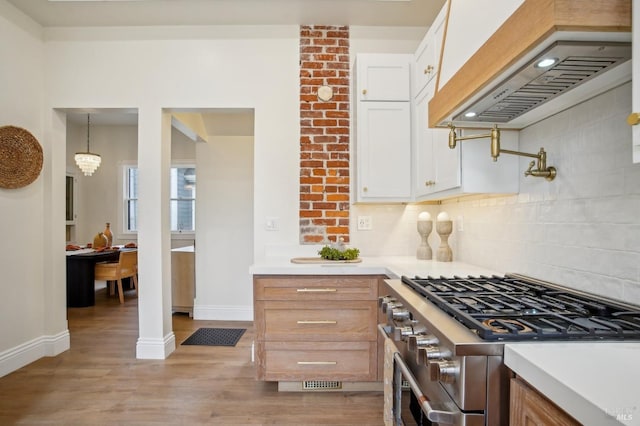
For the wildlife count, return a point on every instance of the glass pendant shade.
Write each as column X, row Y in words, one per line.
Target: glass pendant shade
column 87, row 161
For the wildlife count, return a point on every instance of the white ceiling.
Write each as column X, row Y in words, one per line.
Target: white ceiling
column 89, row 13
column 93, row 13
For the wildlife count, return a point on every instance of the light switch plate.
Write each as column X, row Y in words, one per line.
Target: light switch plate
column 272, row 224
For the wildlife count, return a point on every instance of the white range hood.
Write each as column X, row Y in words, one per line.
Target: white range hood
column 502, row 84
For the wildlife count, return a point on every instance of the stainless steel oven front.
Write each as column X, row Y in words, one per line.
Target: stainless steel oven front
column 417, row 400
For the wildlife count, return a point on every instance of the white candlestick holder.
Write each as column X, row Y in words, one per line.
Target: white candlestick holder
column 444, row 229
column 424, row 229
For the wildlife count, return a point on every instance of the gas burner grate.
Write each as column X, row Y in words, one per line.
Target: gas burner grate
column 513, row 309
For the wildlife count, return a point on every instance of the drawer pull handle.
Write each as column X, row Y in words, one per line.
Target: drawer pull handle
column 316, row 290
column 317, row 322
column 317, row 362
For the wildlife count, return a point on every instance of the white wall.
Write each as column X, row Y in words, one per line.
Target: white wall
column 234, row 67
column 224, row 226
column 151, row 70
column 32, row 307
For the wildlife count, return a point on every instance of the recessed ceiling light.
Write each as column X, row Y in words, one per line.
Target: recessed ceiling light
column 546, row 62
column 470, row 114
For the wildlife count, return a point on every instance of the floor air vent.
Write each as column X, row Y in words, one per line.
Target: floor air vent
column 320, row 385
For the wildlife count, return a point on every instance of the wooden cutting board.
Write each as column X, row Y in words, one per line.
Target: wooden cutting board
column 319, row 260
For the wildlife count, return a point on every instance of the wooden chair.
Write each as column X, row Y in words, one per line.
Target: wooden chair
column 126, row 267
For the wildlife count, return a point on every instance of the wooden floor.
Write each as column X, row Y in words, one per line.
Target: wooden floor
column 99, row 381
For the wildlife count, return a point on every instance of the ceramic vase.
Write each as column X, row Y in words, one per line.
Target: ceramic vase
column 107, row 233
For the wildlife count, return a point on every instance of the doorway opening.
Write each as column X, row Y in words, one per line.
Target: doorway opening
column 212, row 201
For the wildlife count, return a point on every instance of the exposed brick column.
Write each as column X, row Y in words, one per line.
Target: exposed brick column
column 324, row 134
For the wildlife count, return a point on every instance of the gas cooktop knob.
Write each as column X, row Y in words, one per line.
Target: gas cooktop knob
column 399, row 314
column 384, row 300
column 432, row 353
column 388, row 306
column 400, row 333
column 444, row 371
column 421, row 340
column 418, row 329
column 434, row 372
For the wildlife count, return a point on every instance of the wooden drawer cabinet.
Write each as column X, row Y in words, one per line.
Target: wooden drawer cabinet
column 529, row 408
column 315, row 288
column 339, row 321
column 316, row 327
column 293, row 361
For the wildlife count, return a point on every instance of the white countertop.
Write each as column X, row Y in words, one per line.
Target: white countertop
column 598, row 383
column 392, row 266
column 187, row 249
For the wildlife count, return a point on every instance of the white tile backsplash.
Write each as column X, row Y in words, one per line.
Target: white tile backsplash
column 581, row 230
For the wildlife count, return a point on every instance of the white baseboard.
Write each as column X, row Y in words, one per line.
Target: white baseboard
column 28, row 352
column 150, row 348
column 223, row 313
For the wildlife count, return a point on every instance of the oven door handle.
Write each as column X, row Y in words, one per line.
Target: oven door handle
column 438, row 416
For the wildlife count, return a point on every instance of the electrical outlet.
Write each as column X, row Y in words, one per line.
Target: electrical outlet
column 460, row 221
column 364, row 223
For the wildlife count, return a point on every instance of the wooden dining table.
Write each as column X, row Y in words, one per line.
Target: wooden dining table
column 81, row 274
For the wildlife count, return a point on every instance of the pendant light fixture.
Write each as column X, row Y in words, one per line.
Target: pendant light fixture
column 87, row 161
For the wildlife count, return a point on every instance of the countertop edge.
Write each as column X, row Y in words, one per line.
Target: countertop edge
column 391, row 266
column 592, row 394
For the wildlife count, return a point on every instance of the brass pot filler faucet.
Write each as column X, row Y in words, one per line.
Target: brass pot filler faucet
column 549, row 173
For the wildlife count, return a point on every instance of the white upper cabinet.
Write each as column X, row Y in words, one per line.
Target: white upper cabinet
column 437, row 168
column 635, row 129
column 427, row 56
column 383, row 77
column 425, row 172
column 384, row 152
column 383, row 128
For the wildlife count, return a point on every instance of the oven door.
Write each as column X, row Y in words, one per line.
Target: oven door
column 410, row 405
column 411, row 399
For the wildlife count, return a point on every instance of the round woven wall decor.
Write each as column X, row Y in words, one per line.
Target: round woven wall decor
column 20, row 157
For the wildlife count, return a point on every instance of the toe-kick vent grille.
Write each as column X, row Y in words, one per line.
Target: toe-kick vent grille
column 320, row 385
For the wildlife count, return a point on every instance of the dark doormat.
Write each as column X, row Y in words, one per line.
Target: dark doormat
column 215, row 336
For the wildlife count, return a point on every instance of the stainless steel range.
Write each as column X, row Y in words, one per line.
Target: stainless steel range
column 448, row 336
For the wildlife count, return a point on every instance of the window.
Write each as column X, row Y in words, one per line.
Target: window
column 182, row 202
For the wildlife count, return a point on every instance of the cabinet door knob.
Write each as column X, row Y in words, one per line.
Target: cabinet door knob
column 429, row 69
column 633, row 118
column 365, row 189
column 364, row 91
